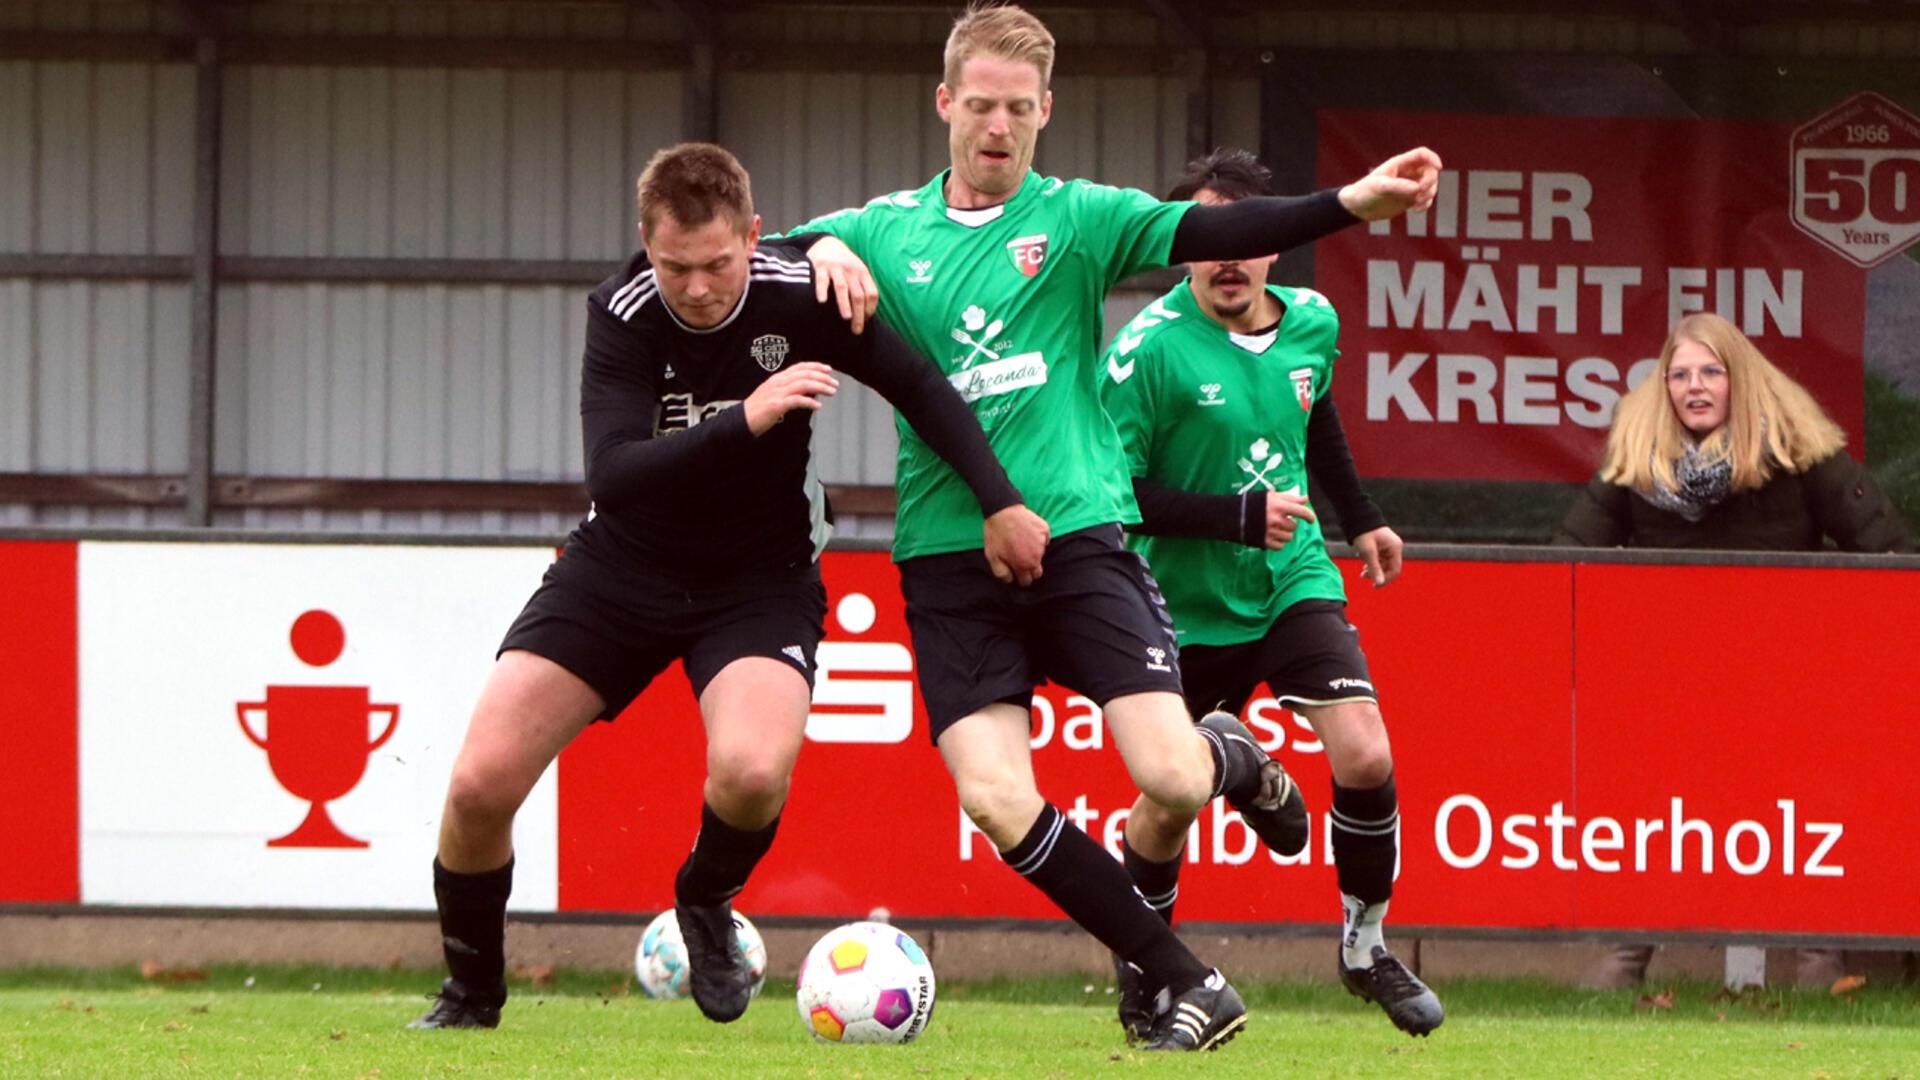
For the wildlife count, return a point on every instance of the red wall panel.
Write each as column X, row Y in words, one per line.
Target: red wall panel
column 39, row 711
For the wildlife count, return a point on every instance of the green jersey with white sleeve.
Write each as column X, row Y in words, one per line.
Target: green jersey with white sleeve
column 1200, row 408
column 1007, row 300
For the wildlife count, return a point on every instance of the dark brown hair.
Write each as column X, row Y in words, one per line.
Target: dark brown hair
column 1231, row 174
column 695, row 182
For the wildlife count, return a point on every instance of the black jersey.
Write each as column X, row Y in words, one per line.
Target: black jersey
column 681, row 487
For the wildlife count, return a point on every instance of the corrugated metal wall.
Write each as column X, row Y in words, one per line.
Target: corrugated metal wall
column 477, row 381
column 94, row 159
column 422, row 381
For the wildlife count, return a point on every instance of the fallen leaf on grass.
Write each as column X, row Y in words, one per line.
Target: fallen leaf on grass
column 541, row 975
column 1796, row 1045
column 1661, row 1000
column 201, row 1009
column 337, row 1034
column 1846, row 984
column 175, row 1025
column 155, row 971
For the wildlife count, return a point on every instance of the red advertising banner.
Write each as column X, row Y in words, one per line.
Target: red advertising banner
column 39, row 705
column 1579, row 747
column 1489, row 337
column 1513, row 815
column 1753, row 738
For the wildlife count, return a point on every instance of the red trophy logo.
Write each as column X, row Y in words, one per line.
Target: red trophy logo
column 316, row 736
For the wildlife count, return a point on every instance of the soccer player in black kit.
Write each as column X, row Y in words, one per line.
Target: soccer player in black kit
column 704, row 358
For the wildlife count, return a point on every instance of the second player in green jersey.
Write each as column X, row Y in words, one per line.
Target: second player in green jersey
column 1220, row 390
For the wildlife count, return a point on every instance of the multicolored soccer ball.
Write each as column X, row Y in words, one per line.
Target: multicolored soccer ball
column 866, row 982
column 660, row 962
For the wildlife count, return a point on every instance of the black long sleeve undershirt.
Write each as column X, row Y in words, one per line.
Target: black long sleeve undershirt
column 935, row 411
column 1166, row 511
column 1335, row 478
column 1242, row 519
column 626, row 462
column 1263, row 225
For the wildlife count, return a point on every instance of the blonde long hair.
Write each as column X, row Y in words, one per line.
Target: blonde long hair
column 1771, row 420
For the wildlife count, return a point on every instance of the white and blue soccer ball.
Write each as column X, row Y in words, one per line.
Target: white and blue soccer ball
column 660, row 961
column 866, row 982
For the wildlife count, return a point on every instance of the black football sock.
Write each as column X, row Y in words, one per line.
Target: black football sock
column 1237, row 759
column 721, row 860
column 473, row 928
column 1082, row 880
column 1158, row 882
column 1366, row 846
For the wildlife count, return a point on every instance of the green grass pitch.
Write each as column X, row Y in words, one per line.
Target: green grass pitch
column 315, row 1022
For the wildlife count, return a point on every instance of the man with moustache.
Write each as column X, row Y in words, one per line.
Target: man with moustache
column 1221, row 393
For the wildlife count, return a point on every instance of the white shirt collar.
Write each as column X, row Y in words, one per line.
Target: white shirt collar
column 973, row 219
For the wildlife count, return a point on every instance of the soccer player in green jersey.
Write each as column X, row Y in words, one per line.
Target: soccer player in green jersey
column 1220, row 390
column 998, row 274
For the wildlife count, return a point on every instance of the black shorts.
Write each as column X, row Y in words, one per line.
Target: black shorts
column 1310, row 656
column 1095, row 622
column 617, row 630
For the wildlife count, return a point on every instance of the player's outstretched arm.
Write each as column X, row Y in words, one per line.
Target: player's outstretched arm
column 1269, row 224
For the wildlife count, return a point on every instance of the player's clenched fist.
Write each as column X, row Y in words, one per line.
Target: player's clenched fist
column 798, row 387
column 1285, row 511
column 1016, row 540
column 1403, row 182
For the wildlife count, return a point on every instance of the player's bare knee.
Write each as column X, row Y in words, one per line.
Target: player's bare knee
column 1002, row 807
column 1362, row 761
column 1178, row 787
column 1152, row 828
column 479, row 798
column 758, row 780
column 1365, row 770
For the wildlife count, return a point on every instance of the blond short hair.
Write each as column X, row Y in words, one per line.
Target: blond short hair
column 1772, row 422
column 695, row 182
column 1006, row 31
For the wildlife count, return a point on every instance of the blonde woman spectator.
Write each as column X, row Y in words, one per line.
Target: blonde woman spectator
column 1720, row 449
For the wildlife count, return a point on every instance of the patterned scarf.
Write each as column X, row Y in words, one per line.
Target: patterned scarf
column 1701, row 483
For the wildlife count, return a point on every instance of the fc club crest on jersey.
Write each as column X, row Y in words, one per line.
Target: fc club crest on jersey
column 1028, row 252
column 1303, row 387
column 769, row 351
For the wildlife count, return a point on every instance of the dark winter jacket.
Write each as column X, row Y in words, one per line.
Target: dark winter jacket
column 1791, row 512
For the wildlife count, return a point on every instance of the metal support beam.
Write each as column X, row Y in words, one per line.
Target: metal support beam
column 1189, row 31
column 203, row 298
column 700, row 86
column 329, row 493
column 1199, row 103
